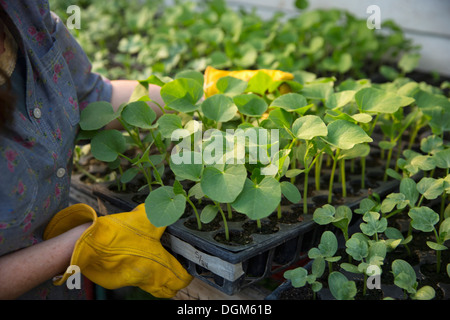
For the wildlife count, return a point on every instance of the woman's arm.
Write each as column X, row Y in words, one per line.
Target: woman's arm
column 122, row 91
column 22, row 270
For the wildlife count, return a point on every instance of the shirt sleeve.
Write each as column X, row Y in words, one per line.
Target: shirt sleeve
column 89, row 85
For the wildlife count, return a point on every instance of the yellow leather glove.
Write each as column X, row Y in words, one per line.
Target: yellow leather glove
column 212, row 75
column 120, row 250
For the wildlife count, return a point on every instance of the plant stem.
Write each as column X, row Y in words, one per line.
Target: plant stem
column 199, row 223
column 388, row 162
column 279, row 211
column 318, row 169
column 333, row 170
column 230, row 212
column 225, row 224
column 305, row 193
column 363, row 172
column 344, row 186
column 147, row 176
column 123, row 188
column 443, row 196
column 87, row 173
column 438, row 253
column 258, row 224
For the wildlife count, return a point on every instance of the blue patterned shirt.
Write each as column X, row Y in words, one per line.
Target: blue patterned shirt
column 53, row 81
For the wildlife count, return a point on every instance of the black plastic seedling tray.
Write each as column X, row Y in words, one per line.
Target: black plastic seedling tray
column 231, row 268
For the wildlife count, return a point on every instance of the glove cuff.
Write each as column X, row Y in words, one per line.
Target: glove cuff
column 65, row 220
column 69, row 218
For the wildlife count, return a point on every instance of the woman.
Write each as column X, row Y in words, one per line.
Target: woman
column 51, row 81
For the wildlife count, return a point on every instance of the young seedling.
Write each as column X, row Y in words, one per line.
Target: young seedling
column 109, row 145
column 342, row 135
column 370, row 253
column 383, row 102
column 340, row 217
column 307, row 128
column 299, row 276
column 373, row 225
column 425, row 219
column 405, row 277
column 341, row 288
column 326, row 249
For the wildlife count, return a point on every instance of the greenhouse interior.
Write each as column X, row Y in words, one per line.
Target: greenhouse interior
column 229, row 150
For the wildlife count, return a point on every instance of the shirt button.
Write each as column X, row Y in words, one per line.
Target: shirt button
column 37, row 113
column 60, row 172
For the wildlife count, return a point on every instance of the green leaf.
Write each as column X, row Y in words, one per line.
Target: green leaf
column 280, row 118
column 424, row 293
column 343, row 134
column 164, row 207
column 350, row 267
column 358, row 150
column 392, row 200
column 341, row 288
column 290, row 191
column 139, row 114
column 219, row 108
column 382, row 101
column 107, row 145
column 208, row 213
column 168, row 123
column 187, row 165
column 357, row 248
column 259, row 83
column 129, row 174
column 250, row 104
column 317, row 90
column 343, row 217
column 258, row 200
column 436, row 246
column 324, row 215
column 297, row 276
column 308, row 127
column 404, row 275
column 374, row 223
column 442, row 158
column 328, row 244
column 318, row 267
column 423, row 218
column 191, row 74
column 196, row 191
column 96, row 115
column 409, row 188
column 182, row 94
column 291, row 102
column 393, row 233
column 444, row 230
column 365, row 205
column 386, row 145
column 339, row 99
column 409, row 61
column 223, row 183
column 301, row 4
column 431, row 144
column 430, row 188
column 231, row 86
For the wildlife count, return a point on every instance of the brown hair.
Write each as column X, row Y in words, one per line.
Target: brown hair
column 7, row 100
